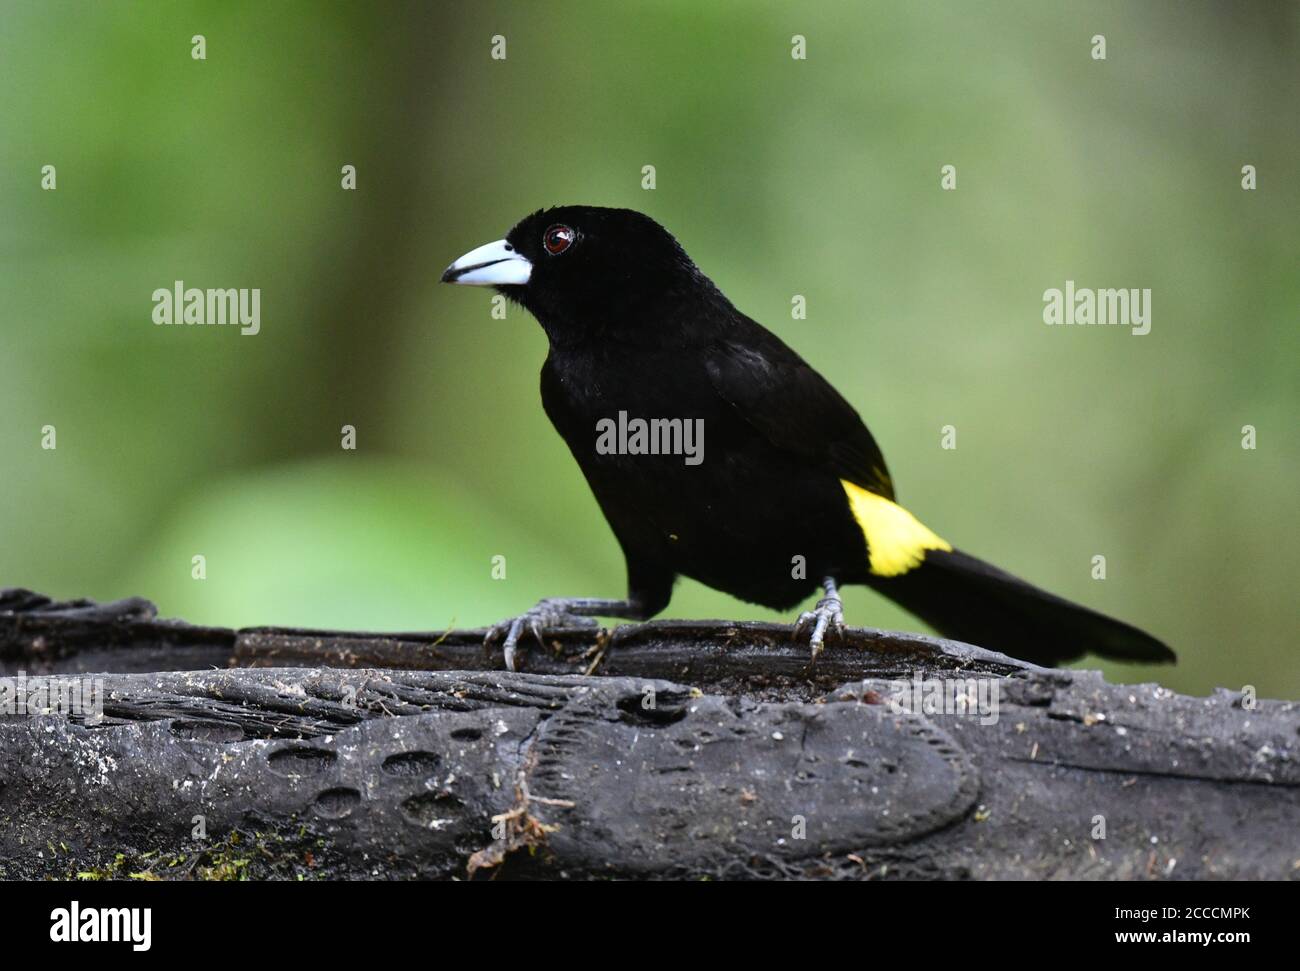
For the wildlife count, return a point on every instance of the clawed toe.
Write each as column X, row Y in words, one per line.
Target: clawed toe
column 545, row 616
column 828, row 614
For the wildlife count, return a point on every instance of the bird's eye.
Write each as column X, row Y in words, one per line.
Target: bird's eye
column 557, row 239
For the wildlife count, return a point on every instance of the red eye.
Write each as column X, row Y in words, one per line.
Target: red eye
column 557, row 239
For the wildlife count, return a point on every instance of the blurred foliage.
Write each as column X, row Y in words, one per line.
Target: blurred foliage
column 818, row 177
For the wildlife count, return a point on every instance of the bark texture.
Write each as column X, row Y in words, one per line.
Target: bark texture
column 660, row 750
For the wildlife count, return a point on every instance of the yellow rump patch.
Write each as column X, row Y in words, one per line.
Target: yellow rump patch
column 896, row 540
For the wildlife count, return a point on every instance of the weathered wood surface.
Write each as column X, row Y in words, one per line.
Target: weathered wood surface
column 690, row 750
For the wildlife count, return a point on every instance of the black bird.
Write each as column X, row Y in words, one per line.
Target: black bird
column 789, row 490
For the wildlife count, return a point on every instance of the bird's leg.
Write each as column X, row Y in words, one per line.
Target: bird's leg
column 829, row 612
column 559, row 612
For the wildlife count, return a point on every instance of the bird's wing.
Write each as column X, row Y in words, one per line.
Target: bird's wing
column 794, row 407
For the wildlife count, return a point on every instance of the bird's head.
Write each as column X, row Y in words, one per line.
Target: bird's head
column 588, row 271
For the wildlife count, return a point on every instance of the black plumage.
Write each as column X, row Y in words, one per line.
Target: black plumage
column 789, row 473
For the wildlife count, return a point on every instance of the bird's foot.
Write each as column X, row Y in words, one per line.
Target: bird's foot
column 829, row 613
column 554, row 612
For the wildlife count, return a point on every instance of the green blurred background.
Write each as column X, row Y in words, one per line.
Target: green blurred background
column 816, row 177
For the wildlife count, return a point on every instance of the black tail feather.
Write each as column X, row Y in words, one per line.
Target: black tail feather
column 969, row 600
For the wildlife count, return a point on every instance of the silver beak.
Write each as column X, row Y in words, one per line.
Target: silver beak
column 495, row 264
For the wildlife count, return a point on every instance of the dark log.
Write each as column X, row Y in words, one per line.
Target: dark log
column 663, row 750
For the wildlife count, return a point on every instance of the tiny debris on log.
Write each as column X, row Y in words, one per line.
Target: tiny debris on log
column 693, row 749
